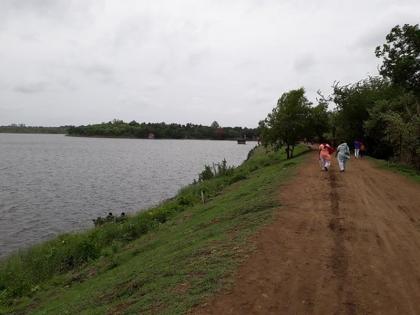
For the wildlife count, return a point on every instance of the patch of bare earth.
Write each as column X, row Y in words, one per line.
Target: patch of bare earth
column 342, row 243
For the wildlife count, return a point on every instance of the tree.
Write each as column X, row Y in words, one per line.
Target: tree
column 401, row 57
column 215, row 125
column 318, row 122
column 353, row 103
column 396, row 124
column 286, row 124
column 133, row 129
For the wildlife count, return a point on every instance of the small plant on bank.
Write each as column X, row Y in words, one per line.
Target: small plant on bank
column 206, row 174
column 217, row 170
column 110, row 218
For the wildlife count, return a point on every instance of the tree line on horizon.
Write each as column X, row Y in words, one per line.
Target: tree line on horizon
column 382, row 111
column 22, row 128
column 133, row 129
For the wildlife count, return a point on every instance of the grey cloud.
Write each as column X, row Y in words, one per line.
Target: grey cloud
column 135, row 30
column 195, row 58
column 30, row 88
column 246, row 64
column 30, row 37
column 95, row 60
column 304, row 63
column 44, row 8
column 66, row 84
column 101, row 72
column 263, row 100
column 58, row 13
column 98, row 69
column 371, row 39
column 31, row 5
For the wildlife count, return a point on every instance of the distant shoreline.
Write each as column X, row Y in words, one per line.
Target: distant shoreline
column 34, row 130
column 137, row 138
column 112, row 137
column 133, row 130
column 32, row 133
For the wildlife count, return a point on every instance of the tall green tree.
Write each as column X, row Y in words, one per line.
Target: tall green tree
column 401, row 57
column 396, row 124
column 381, row 113
column 215, row 125
column 353, row 103
column 318, row 123
column 287, row 122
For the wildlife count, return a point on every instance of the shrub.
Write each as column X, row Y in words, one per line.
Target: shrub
column 206, row 174
column 237, row 177
column 218, row 169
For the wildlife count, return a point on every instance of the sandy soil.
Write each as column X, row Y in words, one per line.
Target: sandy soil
column 342, row 243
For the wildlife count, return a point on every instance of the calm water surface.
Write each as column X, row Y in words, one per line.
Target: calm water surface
column 51, row 184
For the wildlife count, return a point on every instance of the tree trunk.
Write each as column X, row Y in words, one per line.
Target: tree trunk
column 400, row 147
column 288, row 151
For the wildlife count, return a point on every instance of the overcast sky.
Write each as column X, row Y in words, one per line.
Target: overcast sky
column 78, row 62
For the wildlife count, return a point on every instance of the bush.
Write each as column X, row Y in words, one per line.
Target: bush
column 206, row 174
column 218, row 169
column 237, row 178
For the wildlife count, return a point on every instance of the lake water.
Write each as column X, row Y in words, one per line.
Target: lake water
column 51, row 184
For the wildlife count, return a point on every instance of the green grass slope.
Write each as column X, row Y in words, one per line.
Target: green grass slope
column 165, row 260
column 402, row 169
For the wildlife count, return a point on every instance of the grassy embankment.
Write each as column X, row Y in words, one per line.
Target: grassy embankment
column 405, row 170
column 165, row 260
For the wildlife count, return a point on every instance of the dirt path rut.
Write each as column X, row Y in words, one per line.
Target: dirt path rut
column 342, row 243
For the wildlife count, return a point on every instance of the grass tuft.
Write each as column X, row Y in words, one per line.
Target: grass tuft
column 405, row 170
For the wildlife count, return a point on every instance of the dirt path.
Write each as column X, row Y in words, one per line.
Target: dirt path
column 343, row 243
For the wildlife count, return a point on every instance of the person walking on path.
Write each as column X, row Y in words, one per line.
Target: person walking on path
column 362, row 149
column 325, row 151
column 357, row 145
column 342, row 154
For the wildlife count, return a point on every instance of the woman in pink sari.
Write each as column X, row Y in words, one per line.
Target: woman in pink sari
column 325, row 151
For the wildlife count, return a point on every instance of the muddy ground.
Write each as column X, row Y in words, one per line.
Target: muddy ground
column 342, row 243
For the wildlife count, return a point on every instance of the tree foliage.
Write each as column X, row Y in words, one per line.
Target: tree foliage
column 384, row 112
column 381, row 111
column 215, row 124
column 133, row 129
column 354, row 102
column 22, row 128
column 401, row 57
column 382, row 115
column 319, row 122
column 286, row 124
